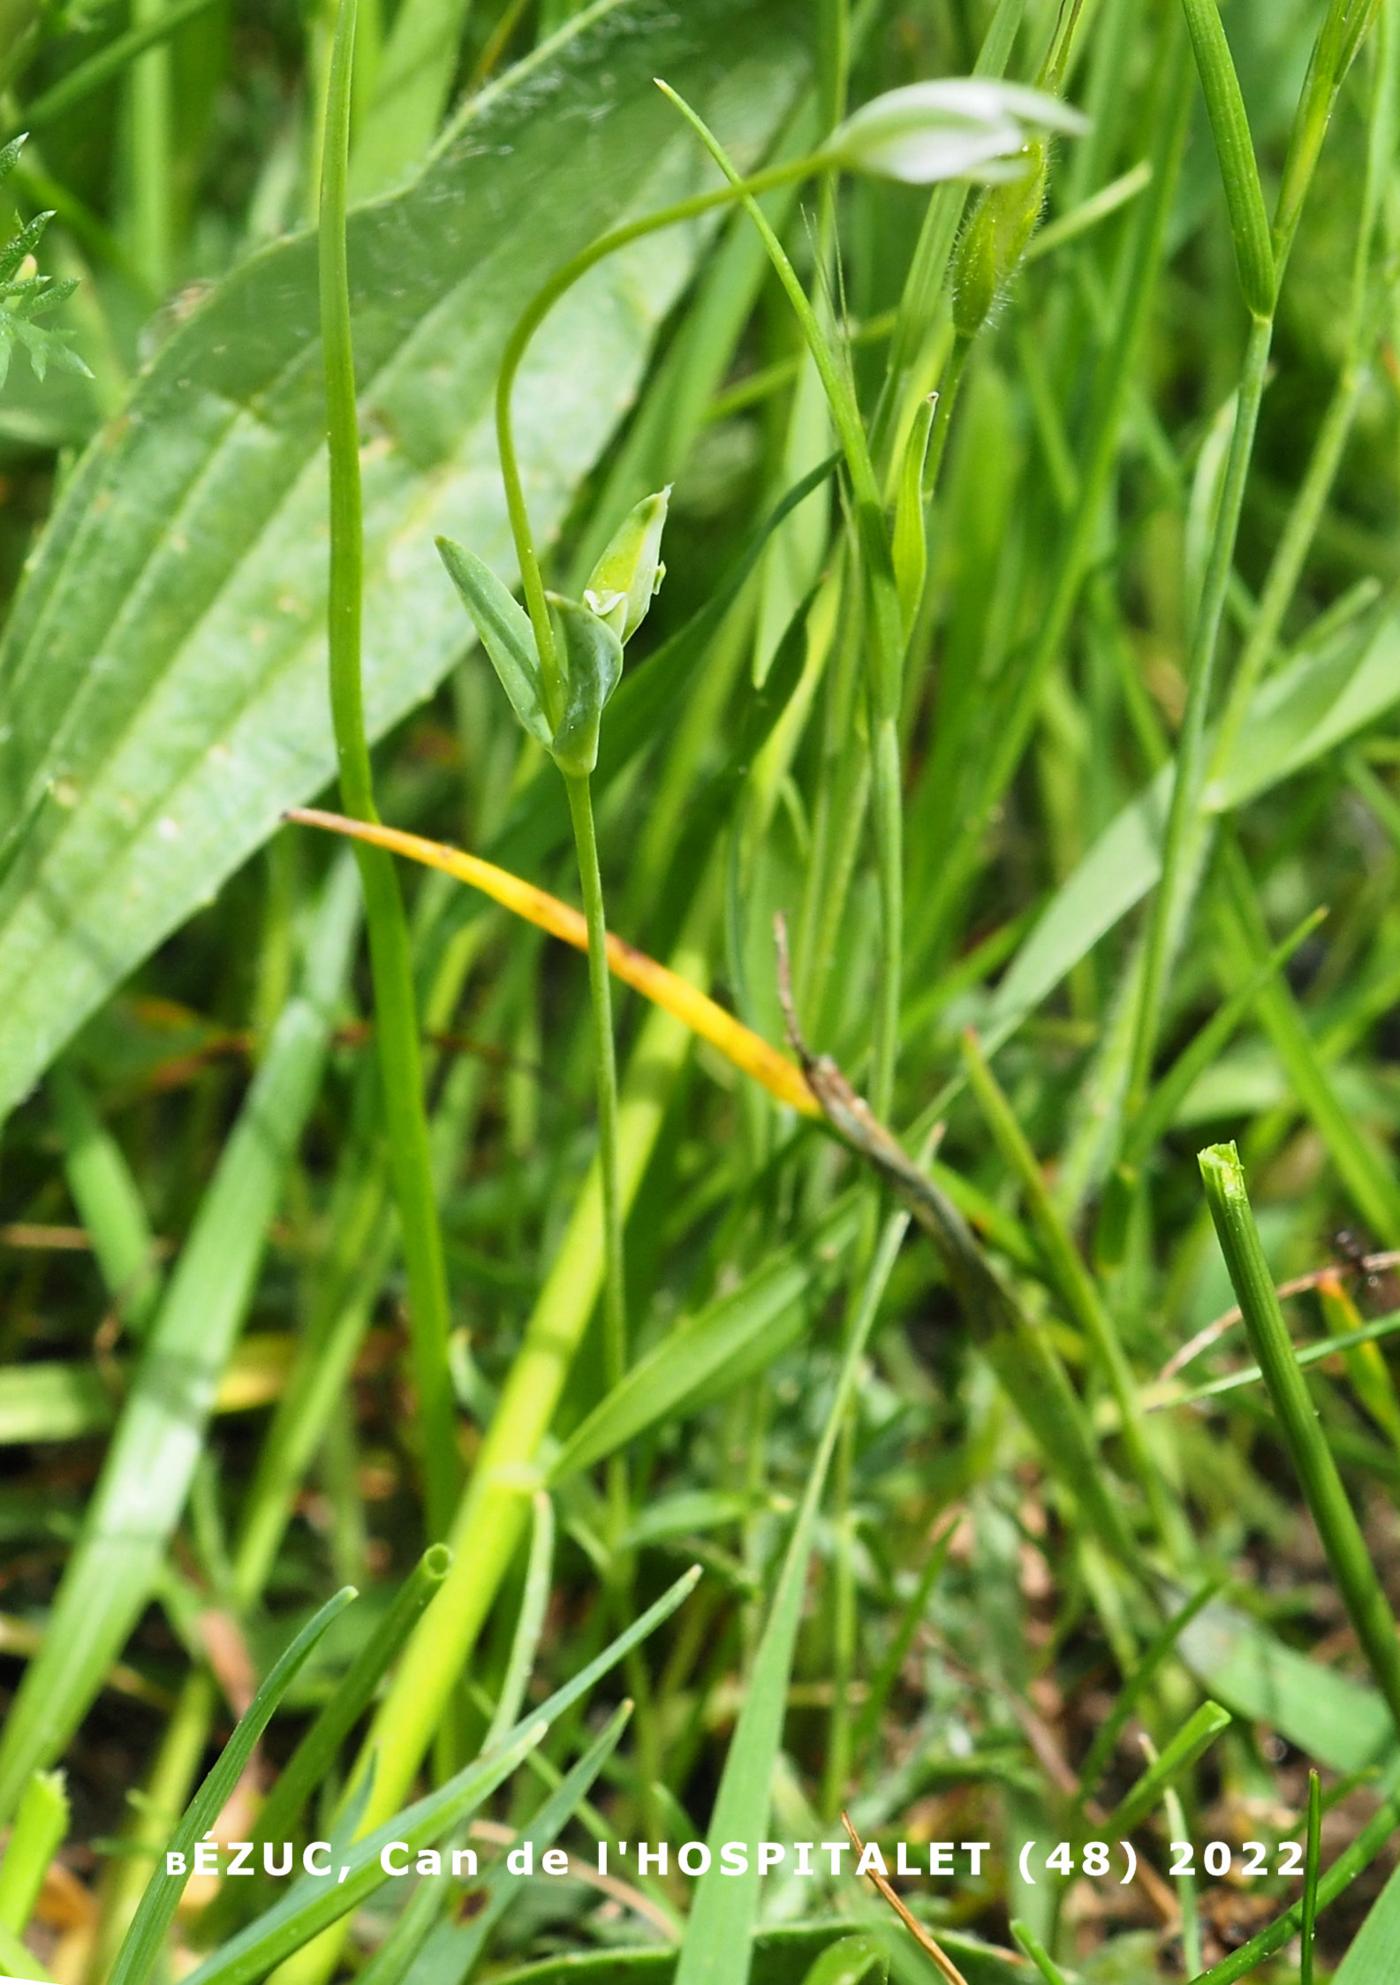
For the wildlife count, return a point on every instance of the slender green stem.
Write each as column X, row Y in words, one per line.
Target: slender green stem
column 1037, row 1953
column 1188, row 777
column 80, row 82
column 18, row 1959
column 928, row 266
column 1363, row 319
column 315, row 1755
column 553, row 690
column 949, row 387
column 1201, row 1053
column 1187, row 1901
column 1299, row 1425
column 887, row 648
column 1307, row 1955
column 834, row 71
column 605, row 1079
column 1189, row 1744
column 886, row 643
column 163, row 1797
column 518, row 343
column 1364, row 1171
column 391, row 963
column 1353, row 1861
column 1344, row 26
column 496, row 1502
column 887, row 800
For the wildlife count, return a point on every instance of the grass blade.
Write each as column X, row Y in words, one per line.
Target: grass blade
column 41, row 1822
column 1302, row 1434
column 391, row 960
column 314, row 1907
column 719, row 1933
column 141, row 1950
column 318, row 1749
column 1190, row 1744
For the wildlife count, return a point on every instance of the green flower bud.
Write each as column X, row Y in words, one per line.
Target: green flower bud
column 627, row 577
column 996, row 238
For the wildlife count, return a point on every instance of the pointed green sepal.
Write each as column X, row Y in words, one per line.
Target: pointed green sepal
column 506, row 635
column 592, row 668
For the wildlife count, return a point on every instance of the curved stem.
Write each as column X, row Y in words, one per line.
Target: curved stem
column 534, row 314
column 391, row 960
column 553, row 694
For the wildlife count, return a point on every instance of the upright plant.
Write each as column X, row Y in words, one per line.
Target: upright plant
column 558, row 661
column 391, row 959
column 558, row 683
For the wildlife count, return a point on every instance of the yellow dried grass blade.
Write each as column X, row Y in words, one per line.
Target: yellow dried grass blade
column 779, row 1075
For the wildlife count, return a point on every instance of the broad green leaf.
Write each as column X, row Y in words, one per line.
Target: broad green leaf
column 1298, row 716
column 162, row 693
column 503, row 628
column 593, row 667
column 151, row 1460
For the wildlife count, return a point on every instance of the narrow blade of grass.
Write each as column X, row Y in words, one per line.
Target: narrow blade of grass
column 719, row 1933
column 1187, row 1747
column 316, row 1753
column 40, row 1824
column 313, row 1907
column 391, row 961
column 141, row 1951
column 1317, row 1471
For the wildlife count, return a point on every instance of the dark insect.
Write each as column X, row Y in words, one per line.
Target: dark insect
column 1379, row 1284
